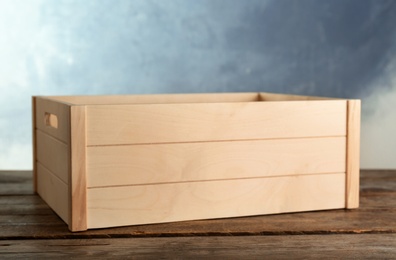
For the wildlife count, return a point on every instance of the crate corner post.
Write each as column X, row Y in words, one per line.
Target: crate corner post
column 353, row 154
column 78, row 186
column 34, row 144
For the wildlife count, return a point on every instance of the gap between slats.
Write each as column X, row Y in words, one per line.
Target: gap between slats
column 214, row 180
column 220, row 141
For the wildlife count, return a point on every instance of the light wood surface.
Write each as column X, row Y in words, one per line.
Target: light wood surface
column 353, row 154
column 181, row 162
column 264, row 96
column 34, row 143
column 162, row 123
column 78, row 187
column 54, row 155
column 143, row 204
column 54, row 191
column 158, row 99
column 180, row 98
column 62, row 112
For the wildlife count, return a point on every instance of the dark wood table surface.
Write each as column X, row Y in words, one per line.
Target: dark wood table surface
column 30, row 229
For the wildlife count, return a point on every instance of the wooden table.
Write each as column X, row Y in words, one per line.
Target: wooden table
column 30, row 229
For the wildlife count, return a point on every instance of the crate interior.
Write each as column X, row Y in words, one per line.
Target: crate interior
column 180, row 98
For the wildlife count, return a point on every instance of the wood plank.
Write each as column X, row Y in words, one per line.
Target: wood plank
column 34, row 143
column 78, row 187
column 45, row 107
column 375, row 246
column 376, row 215
column 16, row 182
column 353, row 154
column 379, row 221
column 28, row 217
column 383, row 181
column 22, row 210
column 158, row 99
column 53, row 191
column 117, row 206
column 164, row 123
column 265, row 96
column 181, row 162
column 179, row 98
column 53, row 154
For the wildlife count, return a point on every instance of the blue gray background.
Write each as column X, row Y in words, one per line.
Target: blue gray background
column 335, row 48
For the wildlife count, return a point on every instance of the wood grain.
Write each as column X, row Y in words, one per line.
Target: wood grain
column 158, row 99
column 62, row 111
column 16, row 182
column 131, row 205
column 181, row 162
column 34, row 144
column 53, row 154
column 54, row 191
column 376, row 246
column 78, row 187
column 26, row 216
column 264, row 96
column 353, row 154
column 165, row 123
column 180, row 98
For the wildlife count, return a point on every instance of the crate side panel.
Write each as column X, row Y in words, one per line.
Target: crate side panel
column 53, row 191
column 46, row 107
column 53, row 154
column 144, row 204
column 180, row 162
column 167, row 123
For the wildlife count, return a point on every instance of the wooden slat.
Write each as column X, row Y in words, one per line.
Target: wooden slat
column 375, row 246
column 46, row 106
column 34, row 144
column 162, row 123
column 16, row 182
column 53, row 154
column 53, row 191
column 158, row 99
column 28, row 217
column 160, row 163
column 353, row 154
column 77, row 192
column 180, row 98
column 116, row 206
column 264, row 96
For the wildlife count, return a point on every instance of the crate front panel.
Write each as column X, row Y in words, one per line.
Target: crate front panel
column 169, row 123
column 181, row 162
column 144, row 204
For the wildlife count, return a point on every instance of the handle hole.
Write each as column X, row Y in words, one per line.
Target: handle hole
column 51, row 120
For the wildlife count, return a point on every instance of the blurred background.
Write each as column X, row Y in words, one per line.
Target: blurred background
column 334, row 48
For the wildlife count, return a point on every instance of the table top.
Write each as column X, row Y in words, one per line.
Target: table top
column 30, row 229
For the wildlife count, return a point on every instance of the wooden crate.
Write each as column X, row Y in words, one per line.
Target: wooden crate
column 105, row 161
